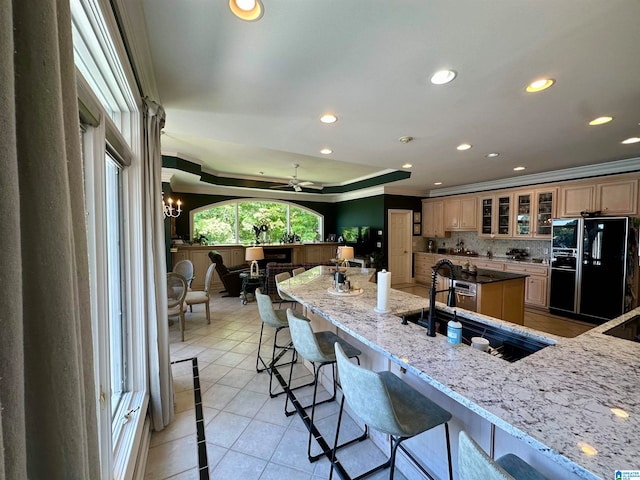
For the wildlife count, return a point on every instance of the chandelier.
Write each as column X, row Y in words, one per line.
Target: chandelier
column 169, row 209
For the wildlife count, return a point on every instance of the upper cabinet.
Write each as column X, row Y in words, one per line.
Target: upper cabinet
column 532, row 213
column 610, row 197
column 461, row 213
column 544, row 208
column 618, row 198
column 495, row 216
column 433, row 218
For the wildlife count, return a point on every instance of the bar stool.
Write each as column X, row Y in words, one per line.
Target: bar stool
column 475, row 464
column 317, row 348
column 276, row 319
column 281, row 277
column 385, row 402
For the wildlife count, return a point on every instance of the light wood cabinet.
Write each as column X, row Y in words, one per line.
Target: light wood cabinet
column 610, row 197
column 504, row 300
column 496, row 216
column 522, row 214
column 533, row 212
column 618, row 198
column 422, row 263
column 536, row 285
column 433, row 219
column 575, row 199
column 460, row 214
column 544, row 212
column 320, row 253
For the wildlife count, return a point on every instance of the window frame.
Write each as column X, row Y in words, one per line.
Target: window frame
column 237, row 201
column 97, row 43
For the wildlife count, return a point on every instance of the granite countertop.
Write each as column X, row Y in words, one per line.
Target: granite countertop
column 558, row 400
column 486, row 276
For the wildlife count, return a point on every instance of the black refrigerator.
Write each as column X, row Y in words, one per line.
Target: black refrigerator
column 593, row 267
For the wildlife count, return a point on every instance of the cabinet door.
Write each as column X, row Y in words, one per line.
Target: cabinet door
column 544, row 213
column 469, row 213
column 523, row 209
column 535, row 292
column 451, row 218
column 486, row 217
column 201, row 262
column 618, row 198
column 177, row 256
column 433, row 218
column 575, row 199
column 503, row 216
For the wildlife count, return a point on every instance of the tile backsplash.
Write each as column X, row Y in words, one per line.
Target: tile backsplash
column 499, row 247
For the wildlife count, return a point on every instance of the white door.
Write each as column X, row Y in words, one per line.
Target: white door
column 399, row 237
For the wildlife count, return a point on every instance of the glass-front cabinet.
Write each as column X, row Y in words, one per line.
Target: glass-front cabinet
column 495, row 216
column 486, row 216
column 545, row 211
column 522, row 212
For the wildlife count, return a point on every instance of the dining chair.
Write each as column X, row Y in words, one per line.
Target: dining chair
column 195, row 297
column 298, row 271
column 176, row 294
column 185, row 268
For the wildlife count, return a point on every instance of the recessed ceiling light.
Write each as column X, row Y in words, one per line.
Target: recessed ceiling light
column 326, row 151
column 631, row 140
column 492, row 155
column 600, row 120
column 464, row 146
column 518, row 169
column 407, row 165
column 328, row 118
column 619, row 412
column 405, row 139
column 442, row 76
column 437, row 183
column 540, row 85
column 249, row 10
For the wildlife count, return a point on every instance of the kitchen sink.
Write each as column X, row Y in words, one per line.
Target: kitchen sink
column 629, row 330
column 503, row 344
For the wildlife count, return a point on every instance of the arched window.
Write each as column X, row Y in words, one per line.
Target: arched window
column 244, row 221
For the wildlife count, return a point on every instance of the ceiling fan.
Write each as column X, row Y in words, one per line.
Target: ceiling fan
column 294, row 182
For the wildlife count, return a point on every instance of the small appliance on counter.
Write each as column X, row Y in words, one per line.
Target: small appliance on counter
column 517, row 254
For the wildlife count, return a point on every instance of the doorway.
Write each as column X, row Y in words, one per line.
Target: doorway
column 400, row 247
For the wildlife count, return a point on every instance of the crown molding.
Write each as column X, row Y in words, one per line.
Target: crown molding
column 576, row 173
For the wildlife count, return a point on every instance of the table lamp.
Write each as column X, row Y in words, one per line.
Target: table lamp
column 254, row 254
column 344, row 255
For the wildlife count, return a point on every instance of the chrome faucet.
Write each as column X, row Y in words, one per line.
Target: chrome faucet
column 451, row 299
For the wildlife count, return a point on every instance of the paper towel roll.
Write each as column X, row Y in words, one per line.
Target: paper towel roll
column 384, row 284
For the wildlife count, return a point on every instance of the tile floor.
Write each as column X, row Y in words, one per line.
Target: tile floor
column 247, row 434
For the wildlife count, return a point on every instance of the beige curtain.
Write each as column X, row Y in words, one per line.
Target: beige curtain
column 160, row 380
column 48, row 422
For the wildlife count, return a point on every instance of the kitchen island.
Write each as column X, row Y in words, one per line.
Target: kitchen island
column 573, row 406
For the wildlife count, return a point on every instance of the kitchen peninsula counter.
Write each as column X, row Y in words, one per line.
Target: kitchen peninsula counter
column 557, row 400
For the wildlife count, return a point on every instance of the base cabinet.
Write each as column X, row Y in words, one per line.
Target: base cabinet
column 504, row 300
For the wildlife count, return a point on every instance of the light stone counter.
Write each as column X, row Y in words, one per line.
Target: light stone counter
column 558, row 400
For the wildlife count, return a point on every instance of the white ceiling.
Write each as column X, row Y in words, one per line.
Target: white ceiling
column 246, row 97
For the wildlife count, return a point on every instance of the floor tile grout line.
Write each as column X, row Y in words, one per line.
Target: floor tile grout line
column 203, row 463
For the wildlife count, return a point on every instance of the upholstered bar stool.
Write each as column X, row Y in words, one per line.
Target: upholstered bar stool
column 317, row 348
column 276, row 319
column 475, row 464
column 298, row 271
column 281, row 277
column 385, row 402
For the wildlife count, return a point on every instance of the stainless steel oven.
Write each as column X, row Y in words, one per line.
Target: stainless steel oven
column 465, row 294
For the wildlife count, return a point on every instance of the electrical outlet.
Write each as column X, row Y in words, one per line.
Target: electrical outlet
column 546, row 251
column 379, row 244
